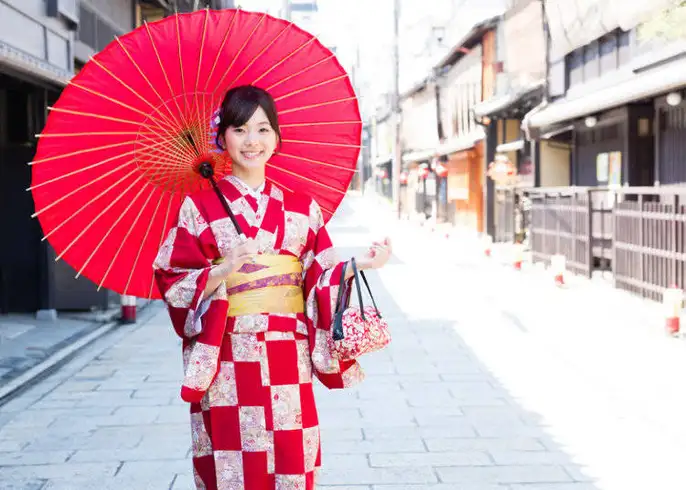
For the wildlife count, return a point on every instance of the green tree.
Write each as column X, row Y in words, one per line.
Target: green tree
column 669, row 24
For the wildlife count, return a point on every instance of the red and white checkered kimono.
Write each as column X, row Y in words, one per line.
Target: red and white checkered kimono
column 249, row 378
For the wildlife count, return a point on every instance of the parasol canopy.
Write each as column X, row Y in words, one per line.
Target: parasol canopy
column 122, row 146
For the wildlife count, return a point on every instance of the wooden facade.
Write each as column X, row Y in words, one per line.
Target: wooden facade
column 465, row 187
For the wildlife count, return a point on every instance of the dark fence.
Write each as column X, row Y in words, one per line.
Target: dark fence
column 637, row 233
column 505, row 217
column 561, row 222
column 649, row 253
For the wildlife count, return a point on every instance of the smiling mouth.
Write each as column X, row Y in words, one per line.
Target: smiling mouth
column 251, row 155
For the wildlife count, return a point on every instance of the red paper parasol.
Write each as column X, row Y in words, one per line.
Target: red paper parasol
column 122, row 145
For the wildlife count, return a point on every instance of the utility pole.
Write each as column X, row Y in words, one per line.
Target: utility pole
column 397, row 150
column 286, row 10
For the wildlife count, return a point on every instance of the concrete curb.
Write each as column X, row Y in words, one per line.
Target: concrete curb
column 58, row 358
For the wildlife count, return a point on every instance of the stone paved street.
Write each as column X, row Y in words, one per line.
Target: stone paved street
column 494, row 381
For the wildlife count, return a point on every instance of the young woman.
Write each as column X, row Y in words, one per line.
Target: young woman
column 254, row 313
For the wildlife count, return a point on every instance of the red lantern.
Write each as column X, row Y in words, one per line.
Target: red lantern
column 441, row 170
column 502, row 170
column 423, row 171
column 403, row 178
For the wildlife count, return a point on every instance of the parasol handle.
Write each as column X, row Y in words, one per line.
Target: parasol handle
column 207, row 171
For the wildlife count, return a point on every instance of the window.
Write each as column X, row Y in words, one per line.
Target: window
column 575, row 68
column 591, row 61
column 86, row 33
column 624, row 46
column 608, row 54
column 67, row 9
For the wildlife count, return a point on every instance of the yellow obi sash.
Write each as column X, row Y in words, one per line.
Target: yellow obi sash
column 267, row 284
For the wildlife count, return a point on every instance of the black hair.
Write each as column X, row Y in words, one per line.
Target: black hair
column 239, row 105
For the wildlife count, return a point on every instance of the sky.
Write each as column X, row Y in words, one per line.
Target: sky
column 364, row 28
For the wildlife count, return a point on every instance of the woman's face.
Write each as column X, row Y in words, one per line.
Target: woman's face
column 251, row 145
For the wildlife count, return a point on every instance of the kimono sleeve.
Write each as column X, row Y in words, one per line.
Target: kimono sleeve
column 182, row 268
column 322, row 276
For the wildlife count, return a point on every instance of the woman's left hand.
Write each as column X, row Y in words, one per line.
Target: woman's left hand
column 377, row 255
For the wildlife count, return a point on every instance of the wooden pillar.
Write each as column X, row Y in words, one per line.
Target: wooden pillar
column 488, row 184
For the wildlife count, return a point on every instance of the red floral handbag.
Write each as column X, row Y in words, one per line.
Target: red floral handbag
column 357, row 331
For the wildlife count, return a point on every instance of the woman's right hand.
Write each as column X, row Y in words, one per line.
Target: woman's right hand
column 236, row 257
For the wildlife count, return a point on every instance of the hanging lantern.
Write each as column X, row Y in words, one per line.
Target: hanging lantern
column 441, row 170
column 403, row 178
column 423, row 171
column 502, row 170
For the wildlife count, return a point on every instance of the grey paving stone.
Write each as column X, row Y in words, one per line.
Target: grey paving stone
column 332, row 435
column 486, row 444
column 30, row 419
column 435, row 419
column 444, row 411
column 51, row 441
column 435, row 459
column 376, row 446
column 344, row 487
column 150, row 452
column 333, row 418
column 443, row 486
column 30, row 458
column 148, row 470
column 65, row 471
column 372, row 433
column 503, row 474
column 172, row 414
column 507, row 430
column 8, row 446
column 352, row 462
column 555, row 486
column 159, row 482
column 73, row 386
column 370, row 476
column 156, row 394
column 538, row 458
column 28, row 484
column 49, row 404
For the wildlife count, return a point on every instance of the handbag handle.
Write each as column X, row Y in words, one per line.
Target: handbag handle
column 341, row 289
column 338, row 314
column 359, row 289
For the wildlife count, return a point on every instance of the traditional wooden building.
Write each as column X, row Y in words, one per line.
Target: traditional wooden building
column 42, row 44
column 520, row 87
column 615, row 99
column 382, row 154
column 464, row 77
column 419, row 140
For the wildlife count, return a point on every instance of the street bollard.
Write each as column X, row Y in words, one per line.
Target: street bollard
column 558, row 267
column 672, row 300
column 128, row 309
column 487, row 243
column 518, row 256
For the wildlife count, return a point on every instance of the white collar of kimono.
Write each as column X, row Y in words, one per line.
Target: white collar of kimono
column 245, row 187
